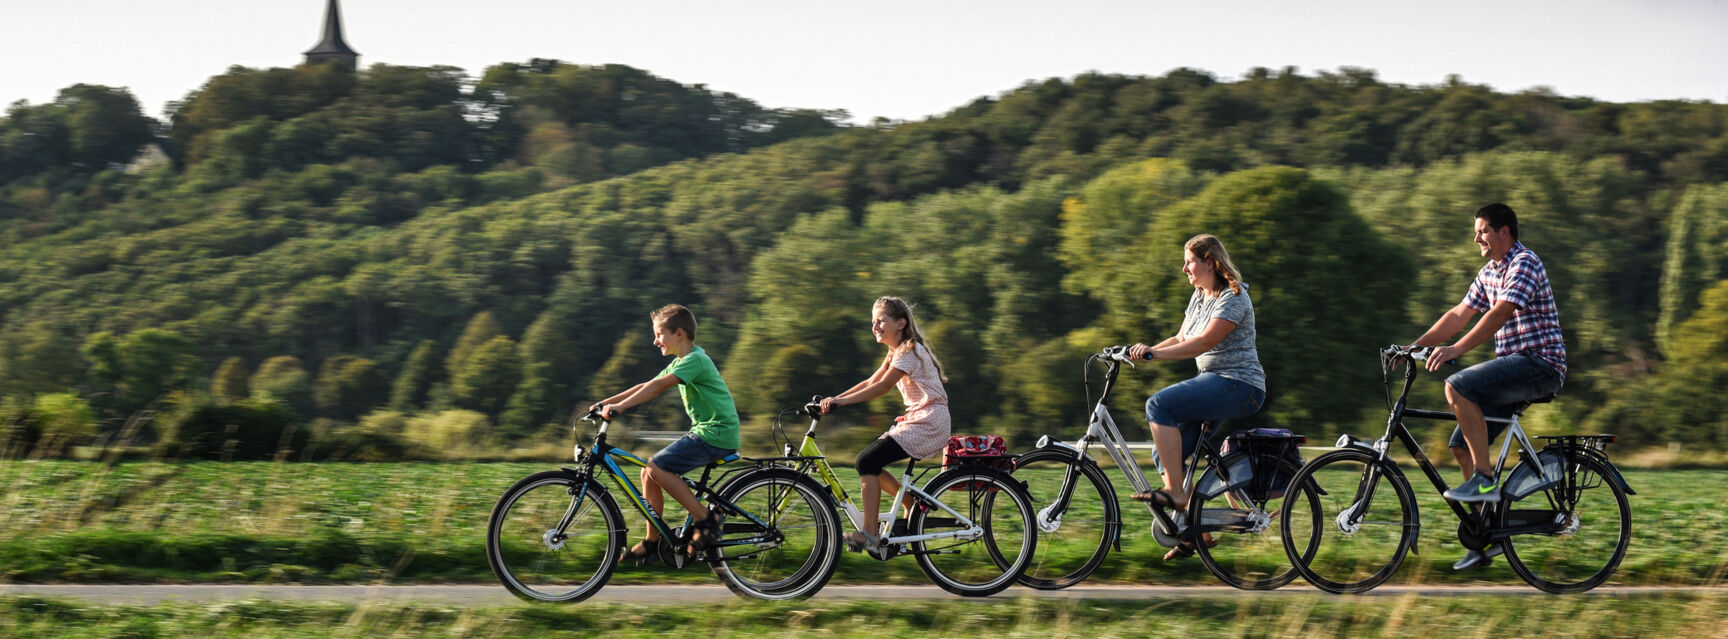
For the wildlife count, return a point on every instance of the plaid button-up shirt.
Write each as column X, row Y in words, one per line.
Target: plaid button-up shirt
column 1520, row 279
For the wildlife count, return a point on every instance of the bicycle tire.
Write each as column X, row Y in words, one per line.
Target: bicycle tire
column 1546, row 561
column 1340, row 561
column 793, row 507
column 537, row 563
column 1009, row 534
column 1069, row 549
column 1255, row 560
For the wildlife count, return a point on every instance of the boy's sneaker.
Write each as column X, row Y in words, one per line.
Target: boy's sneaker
column 1480, row 488
column 1479, row 558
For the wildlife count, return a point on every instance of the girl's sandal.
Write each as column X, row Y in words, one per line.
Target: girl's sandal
column 645, row 552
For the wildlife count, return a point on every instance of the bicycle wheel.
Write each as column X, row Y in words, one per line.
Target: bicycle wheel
column 782, row 541
column 1591, row 527
column 1072, row 542
column 1246, row 521
column 969, row 561
column 1363, row 529
column 554, row 537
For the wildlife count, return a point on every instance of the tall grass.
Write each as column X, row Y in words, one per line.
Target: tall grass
column 1241, row 616
column 63, row 521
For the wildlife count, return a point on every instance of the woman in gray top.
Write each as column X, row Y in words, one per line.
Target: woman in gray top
column 1218, row 332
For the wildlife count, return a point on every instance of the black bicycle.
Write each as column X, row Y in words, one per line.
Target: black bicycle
column 557, row 536
column 1232, row 509
column 1563, row 518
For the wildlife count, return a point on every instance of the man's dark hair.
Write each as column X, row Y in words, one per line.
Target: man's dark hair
column 1499, row 216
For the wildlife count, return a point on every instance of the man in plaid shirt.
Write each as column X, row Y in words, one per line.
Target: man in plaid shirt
column 1530, row 356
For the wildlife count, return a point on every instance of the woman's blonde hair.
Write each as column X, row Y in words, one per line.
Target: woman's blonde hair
column 1208, row 247
column 900, row 309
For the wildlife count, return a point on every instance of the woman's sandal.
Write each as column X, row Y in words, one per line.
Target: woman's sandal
column 645, row 552
column 1186, row 549
column 1160, row 498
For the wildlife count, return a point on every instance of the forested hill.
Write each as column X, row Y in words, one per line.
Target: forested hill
column 428, row 258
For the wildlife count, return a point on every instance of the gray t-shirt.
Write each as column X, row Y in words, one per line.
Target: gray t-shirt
column 1235, row 356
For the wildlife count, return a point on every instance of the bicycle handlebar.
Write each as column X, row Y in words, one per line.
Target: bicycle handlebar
column 1120, row 354
column 1410, row 352
column 813, row 408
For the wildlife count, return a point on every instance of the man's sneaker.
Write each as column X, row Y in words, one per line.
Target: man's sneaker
column 1479, row 558
column 1480, row 488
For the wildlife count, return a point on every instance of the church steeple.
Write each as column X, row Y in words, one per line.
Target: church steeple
column 332, row 48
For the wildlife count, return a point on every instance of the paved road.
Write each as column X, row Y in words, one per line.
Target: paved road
column 492, row 595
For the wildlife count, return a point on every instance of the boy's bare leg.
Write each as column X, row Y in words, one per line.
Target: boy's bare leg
column 680, row 492
column 657, row 499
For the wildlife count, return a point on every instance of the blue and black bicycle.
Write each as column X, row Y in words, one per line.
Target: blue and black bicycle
column 557, row 536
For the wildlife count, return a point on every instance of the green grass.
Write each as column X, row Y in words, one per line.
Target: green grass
column 64, row 521
column 1245, row 616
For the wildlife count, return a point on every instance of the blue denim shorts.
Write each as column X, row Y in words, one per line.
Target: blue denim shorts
column 1207, row 397
column 687, row 454
column 1500, row 384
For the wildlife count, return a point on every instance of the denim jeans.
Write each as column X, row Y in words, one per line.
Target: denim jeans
column 1500, row 384
column 1207, row 397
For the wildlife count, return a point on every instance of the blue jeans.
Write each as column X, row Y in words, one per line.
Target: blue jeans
column 1206, row 398
column 687, row 454
column 1500, row 384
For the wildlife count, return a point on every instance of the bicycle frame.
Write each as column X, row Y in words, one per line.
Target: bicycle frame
column 1102, row 430
column 810, row 457
column 601, row 454
column 1475, row 522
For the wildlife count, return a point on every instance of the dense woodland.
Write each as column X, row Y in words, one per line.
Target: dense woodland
column 406, row 261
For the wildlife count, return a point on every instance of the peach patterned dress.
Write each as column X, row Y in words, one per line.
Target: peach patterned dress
column 923, row 431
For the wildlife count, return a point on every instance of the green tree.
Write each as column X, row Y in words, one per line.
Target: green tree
column 40, row 358
column 1697, row 256
column 489, row 377
column 283, row 379
column 142, row 367
column 623, row 369
column 481, row 329
column 1689, row 383
column 1320, row 278
column 349, row 386
column 229, row 382
column 532, row 403
column 417, row 376
column 64, row 419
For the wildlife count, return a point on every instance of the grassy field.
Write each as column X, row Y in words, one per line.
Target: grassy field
column 1247, row 616
column 66, row 521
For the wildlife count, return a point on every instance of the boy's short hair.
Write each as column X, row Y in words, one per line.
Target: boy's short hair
column 676, row 317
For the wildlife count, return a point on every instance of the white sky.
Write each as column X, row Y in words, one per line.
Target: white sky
column 903, row 59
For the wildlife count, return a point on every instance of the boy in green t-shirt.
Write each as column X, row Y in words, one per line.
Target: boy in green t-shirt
column 713, row 425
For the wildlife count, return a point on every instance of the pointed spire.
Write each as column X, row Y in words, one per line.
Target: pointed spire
column 332, row 48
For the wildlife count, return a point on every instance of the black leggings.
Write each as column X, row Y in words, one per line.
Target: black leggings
column 878, row 455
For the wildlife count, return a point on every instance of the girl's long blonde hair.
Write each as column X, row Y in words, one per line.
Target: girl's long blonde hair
column 1208, row 247
column 900, row 309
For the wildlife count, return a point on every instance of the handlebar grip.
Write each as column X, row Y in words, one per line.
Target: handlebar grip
column 813, row 408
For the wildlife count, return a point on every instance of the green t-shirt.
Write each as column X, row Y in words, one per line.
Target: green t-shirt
column 713, row 416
